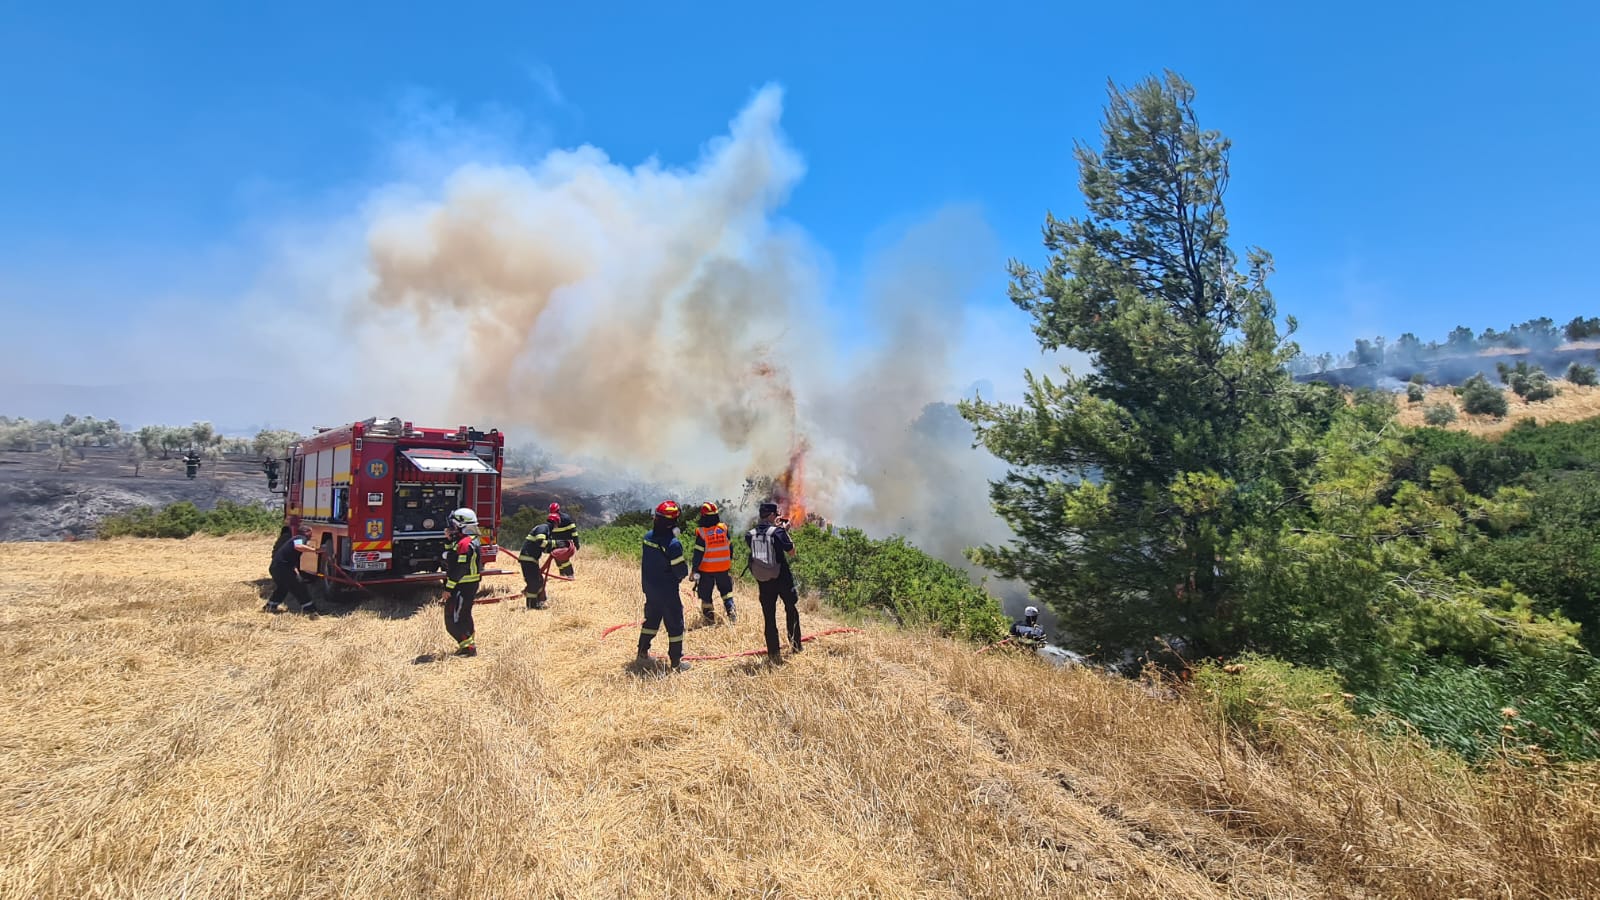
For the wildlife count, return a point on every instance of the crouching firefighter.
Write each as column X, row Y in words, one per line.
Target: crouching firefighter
column 661, row 570
column 285, row 572
column 565, row 533
column 1028, row 632
column 462, row 559
column 538, row 542
column 712, row 566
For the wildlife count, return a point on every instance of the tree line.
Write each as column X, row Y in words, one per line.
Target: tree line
column 75, row 436
column 1538, row 334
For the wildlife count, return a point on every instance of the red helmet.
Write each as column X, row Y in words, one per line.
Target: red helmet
column 555, row 507
column 667, row 509
column 553, row 517
column 708, row 508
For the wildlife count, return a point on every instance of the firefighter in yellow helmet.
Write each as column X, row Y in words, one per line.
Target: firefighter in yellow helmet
column 462, row 565
column 711, row 568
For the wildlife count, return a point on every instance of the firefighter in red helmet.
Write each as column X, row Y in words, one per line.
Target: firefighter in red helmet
column 565, row 534
column 711, row 568
column 538, row 542
column 661, row 570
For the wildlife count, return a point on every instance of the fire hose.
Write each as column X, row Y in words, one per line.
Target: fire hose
column 759, row 652
column 544, row 572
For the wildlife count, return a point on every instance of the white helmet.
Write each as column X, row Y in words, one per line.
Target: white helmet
column 464, row 520
column 1031, row 611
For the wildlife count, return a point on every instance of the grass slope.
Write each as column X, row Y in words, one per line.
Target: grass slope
column 1575, row 403
column 162, row 738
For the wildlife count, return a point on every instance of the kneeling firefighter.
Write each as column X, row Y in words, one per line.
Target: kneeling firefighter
column 712, row 566
column 661, row 570
column 463, row 559
column 1028, row 632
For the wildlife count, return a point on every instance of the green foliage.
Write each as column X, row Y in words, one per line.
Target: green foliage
column 1480, row 398
column 856, row 573
column 853, row 573
column 1528, row 382
column 273, row 442
column 1549, row 702
column 1264, row 697
column 1580, row 374
column 1483, row 466
column 1131, row 480
column 1439, row 414
column 183, row 519
column 1581, row 329
column 1415, row 393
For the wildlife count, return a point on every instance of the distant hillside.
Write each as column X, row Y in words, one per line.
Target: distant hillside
column 1453, row 370
column 1574, row 404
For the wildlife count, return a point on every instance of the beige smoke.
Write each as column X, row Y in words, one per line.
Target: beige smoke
column 624, row 313
column 662, row 320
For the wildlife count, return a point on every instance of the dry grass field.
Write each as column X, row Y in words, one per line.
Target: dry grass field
column 1574, row 404
column 161, row 738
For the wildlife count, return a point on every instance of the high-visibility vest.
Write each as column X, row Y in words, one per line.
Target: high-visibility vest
column 719, row 552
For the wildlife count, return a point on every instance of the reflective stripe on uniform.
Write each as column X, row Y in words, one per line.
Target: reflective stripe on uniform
column 718, row 553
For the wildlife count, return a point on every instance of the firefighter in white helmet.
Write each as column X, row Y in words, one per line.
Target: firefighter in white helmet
column 462, row 564
column 1028, row 631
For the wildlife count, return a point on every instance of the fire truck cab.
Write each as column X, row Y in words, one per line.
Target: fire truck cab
column 376, row 495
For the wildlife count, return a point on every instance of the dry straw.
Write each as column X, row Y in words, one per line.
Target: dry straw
column 162, row 738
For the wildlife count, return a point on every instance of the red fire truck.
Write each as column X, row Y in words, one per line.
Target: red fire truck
column 376, row 495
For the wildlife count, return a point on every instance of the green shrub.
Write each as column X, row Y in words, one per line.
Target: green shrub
column 1480, row 398
column 1552, row 703
column 183, row 519
column 1415, row 393
column 1439, row 414
column 1583, row 375
column 853, row 573
column 1262, row 695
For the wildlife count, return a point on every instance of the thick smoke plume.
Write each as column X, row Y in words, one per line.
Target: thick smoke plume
column 667, row 321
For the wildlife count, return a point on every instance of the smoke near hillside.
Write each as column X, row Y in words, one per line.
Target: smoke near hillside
column 668, row 320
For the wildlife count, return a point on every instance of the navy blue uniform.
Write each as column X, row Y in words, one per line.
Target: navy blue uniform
column 661, row 569
column 565, row 532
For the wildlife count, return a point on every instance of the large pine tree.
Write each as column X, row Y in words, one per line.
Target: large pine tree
column 1131, row 479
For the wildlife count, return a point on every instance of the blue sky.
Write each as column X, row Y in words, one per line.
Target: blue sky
column 1410, row 169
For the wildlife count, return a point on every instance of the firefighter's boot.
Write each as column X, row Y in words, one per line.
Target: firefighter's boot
column 727, row 607
column 708, row 613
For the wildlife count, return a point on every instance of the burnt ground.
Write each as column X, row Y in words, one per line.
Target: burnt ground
column 39, row 503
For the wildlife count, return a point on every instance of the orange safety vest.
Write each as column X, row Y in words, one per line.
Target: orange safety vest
column 719, row 553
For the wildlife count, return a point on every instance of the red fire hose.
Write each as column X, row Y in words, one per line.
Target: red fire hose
column 759, row 652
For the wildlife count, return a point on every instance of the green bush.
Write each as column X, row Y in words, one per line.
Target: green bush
column 1552, row 703
column 181, row 520
column 856, row 573
column 1582, row 375
column 1261, row 695
column 1439, row 414
column 853, row 573
column 1480, row 398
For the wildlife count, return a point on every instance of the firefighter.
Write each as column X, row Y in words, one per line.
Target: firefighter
column 661, row 570
column 1028, row 632
column 462, row 563
column 712, row 566
column 285, row 572
column 566, row 535
column 538, row 542
column 191, row 464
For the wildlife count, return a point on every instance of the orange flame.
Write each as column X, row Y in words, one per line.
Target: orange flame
column 790, row 488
